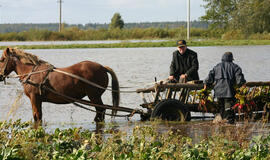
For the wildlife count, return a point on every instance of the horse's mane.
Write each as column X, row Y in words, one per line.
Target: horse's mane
column 26, row 58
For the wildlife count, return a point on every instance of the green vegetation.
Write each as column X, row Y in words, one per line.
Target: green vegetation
column 20, row 141
column 69, row 34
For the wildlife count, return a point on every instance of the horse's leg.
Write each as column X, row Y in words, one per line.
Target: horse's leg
column 100, row 115
column 36, row 108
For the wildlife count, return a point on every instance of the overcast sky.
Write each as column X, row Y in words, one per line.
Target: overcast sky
column 97, row 11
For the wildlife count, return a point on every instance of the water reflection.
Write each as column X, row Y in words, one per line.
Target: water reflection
column 200, row 130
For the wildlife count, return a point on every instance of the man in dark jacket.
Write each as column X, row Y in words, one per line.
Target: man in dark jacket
column 184, row 64
column 225, row 76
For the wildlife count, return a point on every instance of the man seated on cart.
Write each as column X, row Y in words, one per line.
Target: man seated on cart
column 184, row 65
column 225, row 76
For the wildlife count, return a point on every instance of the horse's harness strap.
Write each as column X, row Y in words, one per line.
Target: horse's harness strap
column 50, row 69
column 39, row 85
column 78, row 102
column 29, row 75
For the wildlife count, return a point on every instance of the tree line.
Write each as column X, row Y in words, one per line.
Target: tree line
column 117, row 29
column 19, row 27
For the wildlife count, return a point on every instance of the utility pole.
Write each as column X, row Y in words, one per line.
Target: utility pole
column 0, row 13
column 188, row 18
column 60, row 15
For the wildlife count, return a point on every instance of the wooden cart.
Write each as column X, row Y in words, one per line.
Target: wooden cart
column 176, row 101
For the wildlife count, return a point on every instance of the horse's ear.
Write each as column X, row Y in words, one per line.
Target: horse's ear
column 6, row 52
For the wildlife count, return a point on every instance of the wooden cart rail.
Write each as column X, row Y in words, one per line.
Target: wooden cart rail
column 176, row 86
column 190, row 85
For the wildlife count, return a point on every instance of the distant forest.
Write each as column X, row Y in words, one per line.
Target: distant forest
column 19, row 27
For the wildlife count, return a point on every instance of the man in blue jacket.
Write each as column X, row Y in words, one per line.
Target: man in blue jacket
column 184, row 64
column 225, row 76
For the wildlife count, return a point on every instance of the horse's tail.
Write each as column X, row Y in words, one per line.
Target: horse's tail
column 115, row 89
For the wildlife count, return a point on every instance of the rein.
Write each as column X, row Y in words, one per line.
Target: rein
column 71, row 75
column 50, row 69
column 27, row 74
column 89, row 82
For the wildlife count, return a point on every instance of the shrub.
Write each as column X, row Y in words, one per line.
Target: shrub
column 233, row 35
column 259, row 36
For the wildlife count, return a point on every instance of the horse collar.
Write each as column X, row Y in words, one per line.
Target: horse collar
column 38, row 85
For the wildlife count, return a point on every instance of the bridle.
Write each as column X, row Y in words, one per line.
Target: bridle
column 2, row 71
column 3, row 75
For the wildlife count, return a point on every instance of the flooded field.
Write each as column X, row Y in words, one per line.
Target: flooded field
column 135, row 68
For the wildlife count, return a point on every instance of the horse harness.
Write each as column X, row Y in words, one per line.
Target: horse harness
column 41, row 85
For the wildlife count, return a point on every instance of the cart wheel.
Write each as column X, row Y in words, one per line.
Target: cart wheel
column 171, row 110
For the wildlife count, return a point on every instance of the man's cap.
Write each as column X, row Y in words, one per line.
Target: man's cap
column 230, row 55
column 181, row 43
column 227, row 56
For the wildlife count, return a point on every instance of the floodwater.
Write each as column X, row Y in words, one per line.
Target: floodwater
column 135, row 68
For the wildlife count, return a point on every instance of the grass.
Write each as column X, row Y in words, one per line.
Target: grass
column 20, row 141
column 170, row 43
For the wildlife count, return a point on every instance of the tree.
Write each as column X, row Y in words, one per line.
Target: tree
column 116, row 22
column 218, row 12
column 252, row 16
column 248, row 16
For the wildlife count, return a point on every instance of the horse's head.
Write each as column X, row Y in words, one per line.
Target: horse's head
column 6, row 66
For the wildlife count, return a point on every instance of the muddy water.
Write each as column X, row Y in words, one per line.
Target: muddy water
column 135, row 68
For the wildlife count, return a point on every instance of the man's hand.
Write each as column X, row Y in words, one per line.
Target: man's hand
column 171, row 77
column 183, row 76
column 172, row 80
column 204, row 86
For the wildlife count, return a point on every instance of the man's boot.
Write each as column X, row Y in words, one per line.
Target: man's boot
column 230, row 116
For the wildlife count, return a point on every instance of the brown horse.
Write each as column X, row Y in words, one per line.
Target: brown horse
column 34, row 72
